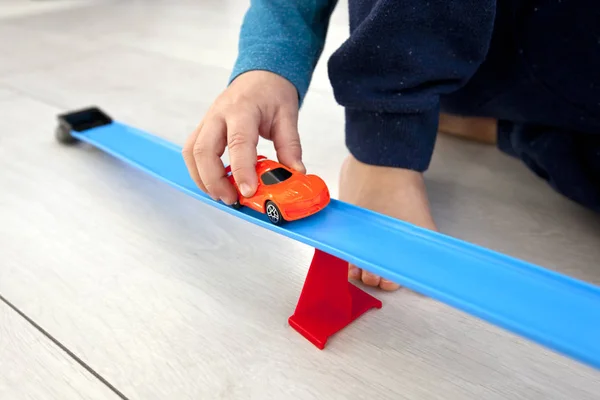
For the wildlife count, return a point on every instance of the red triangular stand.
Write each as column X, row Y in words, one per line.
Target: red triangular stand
column 328, row 302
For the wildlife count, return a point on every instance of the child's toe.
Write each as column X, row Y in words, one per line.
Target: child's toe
column 370, row 279
column 354, row 272
column 384, row 284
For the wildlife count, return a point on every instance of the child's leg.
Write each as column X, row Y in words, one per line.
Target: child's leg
column 388, row 76
column 479, row 129
column 541, row 74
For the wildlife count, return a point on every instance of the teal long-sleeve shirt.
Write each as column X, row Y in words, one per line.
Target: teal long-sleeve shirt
column 285, row 37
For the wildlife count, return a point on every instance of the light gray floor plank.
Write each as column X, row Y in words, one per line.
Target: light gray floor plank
column 18, row 8
column 34, row 368
column 168, row 298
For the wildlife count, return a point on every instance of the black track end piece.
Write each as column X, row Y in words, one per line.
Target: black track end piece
column 79, row 121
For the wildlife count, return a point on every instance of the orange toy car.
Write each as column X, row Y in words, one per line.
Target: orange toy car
column 283, row 194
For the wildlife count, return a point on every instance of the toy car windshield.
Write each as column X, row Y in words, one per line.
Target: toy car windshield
column 275, row 176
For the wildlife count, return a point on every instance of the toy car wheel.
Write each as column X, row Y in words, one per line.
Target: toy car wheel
column 236, row 205
column 63, row 135
column 273, row 213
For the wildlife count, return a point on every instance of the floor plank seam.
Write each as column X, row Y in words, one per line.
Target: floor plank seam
column 64, row 348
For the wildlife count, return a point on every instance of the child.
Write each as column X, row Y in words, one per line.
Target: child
column 523, row 73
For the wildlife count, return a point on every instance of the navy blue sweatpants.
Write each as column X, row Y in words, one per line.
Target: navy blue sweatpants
column 541, row 80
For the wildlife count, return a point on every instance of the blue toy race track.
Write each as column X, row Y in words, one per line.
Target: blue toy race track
column 551, row 309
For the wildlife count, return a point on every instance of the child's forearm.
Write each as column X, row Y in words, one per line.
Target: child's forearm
column 285, row 37
column 401, row 56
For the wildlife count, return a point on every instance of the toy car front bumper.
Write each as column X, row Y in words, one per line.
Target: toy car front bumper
column 299, row 210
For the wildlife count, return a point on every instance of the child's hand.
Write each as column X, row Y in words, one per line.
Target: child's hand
column 255, row 103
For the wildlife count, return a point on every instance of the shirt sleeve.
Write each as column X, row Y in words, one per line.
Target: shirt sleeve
column 401, row 56
column 285, row 37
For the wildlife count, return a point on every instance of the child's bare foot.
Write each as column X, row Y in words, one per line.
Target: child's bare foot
column 478, row 129
column 395, row 192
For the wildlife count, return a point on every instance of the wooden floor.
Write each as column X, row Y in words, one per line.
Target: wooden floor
column 134, row 290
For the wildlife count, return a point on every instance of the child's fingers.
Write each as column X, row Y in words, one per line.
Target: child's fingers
column 286, row 139
column 208, row 149
column 188, row 157
column 242, row 139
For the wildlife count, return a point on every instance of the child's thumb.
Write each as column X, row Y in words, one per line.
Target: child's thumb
column 287, row 142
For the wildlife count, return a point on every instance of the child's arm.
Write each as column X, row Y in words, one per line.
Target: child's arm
column 285, row 37
column 280, row 44
column 401, row 56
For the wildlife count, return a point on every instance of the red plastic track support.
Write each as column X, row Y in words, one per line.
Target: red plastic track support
column 328, row 302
